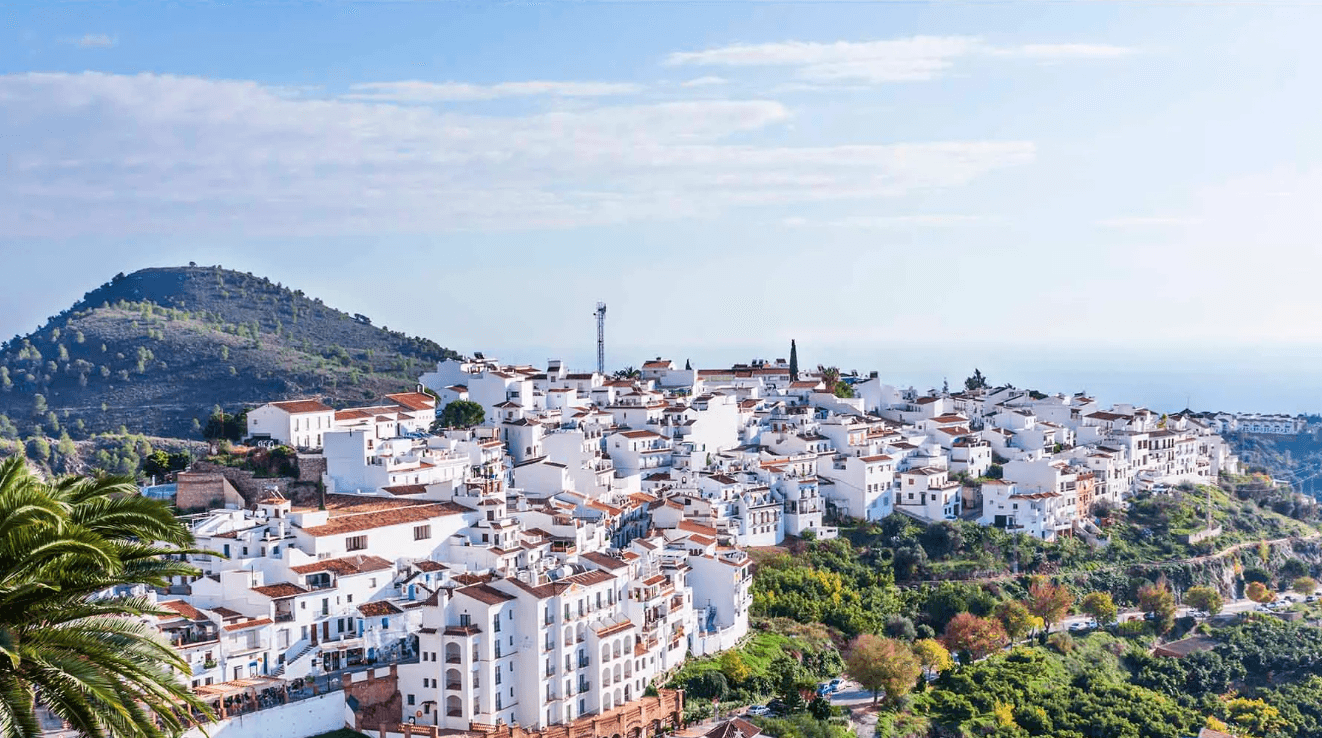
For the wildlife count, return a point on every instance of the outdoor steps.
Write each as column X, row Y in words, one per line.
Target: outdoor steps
column 280, row 670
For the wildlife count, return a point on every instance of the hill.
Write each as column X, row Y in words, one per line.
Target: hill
column 156, row 350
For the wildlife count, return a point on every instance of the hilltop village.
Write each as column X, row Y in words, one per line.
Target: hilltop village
column 549, row 560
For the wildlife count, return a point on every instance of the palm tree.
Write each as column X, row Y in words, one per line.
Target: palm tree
column 628, row 373
column 830, row 376
column 68, row 639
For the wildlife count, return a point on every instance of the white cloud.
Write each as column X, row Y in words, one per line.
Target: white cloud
column 1145, row 221
column 95, row 41
column 863, row 222
column 114, row 154
column 416, row 91
column 704, row 82
column 911, row 59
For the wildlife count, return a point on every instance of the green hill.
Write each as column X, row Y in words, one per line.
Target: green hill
column 157, row 349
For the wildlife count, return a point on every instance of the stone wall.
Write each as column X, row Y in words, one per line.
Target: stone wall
column 375, row 697
column 205, row 489
column 638, row 719
column 248, row 485
column 307, row 717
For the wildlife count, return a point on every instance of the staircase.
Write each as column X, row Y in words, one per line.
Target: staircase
column 280, row 670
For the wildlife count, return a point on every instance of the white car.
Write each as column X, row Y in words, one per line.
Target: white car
column 759, row 711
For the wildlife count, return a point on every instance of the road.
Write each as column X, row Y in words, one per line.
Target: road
column 1231, row 607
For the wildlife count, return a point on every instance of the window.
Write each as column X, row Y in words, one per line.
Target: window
column 495, row 623
column 497, row 675
column 465, row 619
column 348, row 598
column 410, row 699
column 421, row 532
column 355, row 543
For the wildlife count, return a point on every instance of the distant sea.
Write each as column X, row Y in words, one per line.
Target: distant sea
column 1263, row 378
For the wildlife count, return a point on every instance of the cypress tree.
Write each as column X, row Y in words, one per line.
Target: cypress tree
column 794, row 361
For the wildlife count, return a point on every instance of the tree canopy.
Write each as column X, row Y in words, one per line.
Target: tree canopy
column 92, row 661
column 461, row 414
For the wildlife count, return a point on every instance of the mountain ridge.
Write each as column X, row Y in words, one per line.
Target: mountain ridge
column 157, row 349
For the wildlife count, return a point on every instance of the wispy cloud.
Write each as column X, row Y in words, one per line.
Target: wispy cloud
column 1146, row 221
column 704, row 82
column 94, row 41
column 416, row 91
column 916, row 58
column 885, row 221
column 116, row 154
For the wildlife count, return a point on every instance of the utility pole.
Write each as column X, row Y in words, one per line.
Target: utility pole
column 601, row 337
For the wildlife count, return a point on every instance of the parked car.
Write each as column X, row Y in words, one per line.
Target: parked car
column 759, row 711
column 836, row 684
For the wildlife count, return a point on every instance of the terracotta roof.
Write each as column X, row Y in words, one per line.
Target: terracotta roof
column 604, row 561
column 298, row 407
column 346, row 565
column 588, row 578
column 378, row 609
column 353, row 513
column 280, row 591
column 734, row 728
column 428, row 565
column 403, row 490
column 413, row 400
column 184, row 609
column 226, row 613
column 248, row 624
column 641, row 434
column 486, row 593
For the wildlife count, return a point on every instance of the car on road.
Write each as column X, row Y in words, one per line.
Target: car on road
column 759, row 711
column 836, row 684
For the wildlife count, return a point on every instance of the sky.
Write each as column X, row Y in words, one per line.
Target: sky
column 1111, row 197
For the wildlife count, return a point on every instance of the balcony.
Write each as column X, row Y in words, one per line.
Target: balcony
column 453, row 685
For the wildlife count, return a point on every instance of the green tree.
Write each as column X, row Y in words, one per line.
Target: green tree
column 883, row 665
column 1305, row 585
column 39, row 404
column 1204, row 598
column 1017, row 621
column 976, row 382
column 93, row 662
column 1158, row 600
column 460, row 414
column 794, row 361
column 734, row 668
column 1100, row 607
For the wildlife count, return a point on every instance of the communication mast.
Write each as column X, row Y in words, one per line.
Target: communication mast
column 601, row 337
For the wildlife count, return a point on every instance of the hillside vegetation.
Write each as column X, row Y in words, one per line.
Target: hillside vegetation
column 156, row 350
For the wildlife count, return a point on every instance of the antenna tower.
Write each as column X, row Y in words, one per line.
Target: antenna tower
column 601, row 337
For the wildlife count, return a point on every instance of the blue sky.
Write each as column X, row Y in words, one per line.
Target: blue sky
column 911, row 187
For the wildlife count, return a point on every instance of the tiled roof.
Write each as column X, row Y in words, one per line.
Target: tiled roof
column 604, row 561
column 346, row 565
column 281, row 590
column 248, row 624
column 486, row 593
column 183, row 608
column 298, row 407
column 378, row 609
column 403, row 490
column 413, row 400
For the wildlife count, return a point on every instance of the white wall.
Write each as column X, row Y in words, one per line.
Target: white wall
column 309, row 717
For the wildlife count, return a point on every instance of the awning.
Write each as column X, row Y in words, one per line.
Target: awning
column 344, row 645
column 237, row 686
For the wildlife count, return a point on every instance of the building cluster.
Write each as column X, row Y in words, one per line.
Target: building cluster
column 556, row 560
column 1255, row 423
